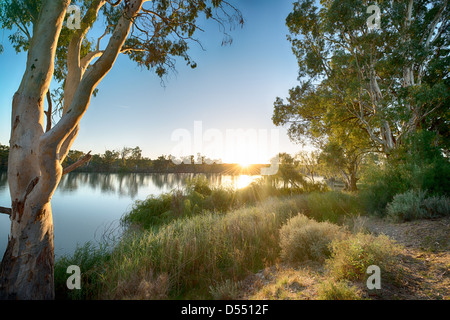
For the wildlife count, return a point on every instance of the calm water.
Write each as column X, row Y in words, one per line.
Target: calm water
column 86, row 206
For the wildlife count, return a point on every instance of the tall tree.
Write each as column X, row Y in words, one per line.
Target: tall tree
column 151, row 33
column 315, row 115
column 389, row 80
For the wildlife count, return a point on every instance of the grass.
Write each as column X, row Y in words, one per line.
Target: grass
column 198, row 197
column 303, row 239
column 196, row 252
column 338, row 290
column 186, row 248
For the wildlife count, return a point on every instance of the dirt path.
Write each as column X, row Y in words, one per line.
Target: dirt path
column 426, row 258
column 425, row 262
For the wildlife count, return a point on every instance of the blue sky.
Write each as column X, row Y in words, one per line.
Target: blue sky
column 233, row 87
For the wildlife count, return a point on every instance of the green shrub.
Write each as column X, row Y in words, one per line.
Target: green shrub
column 199, row 184
column 350, row 257
column 436, row 206
column 220, row 200
column 151, row 212
column 304, row 239
column 407, row 206
column 414, row 204
column 418, row 164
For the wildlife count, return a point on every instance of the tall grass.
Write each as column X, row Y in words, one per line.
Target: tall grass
column 332, row 206
column 192, row 240
column 196, row 197
column 198, row 251
column 92, row 261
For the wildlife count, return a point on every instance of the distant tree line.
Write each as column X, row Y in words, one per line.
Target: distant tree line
column 131, row 160
column 296, row 171
column 4, row 152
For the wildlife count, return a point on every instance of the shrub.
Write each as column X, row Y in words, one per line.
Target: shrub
column 407, row 206
column 416, row 165
column 220, row 200
column 150, row 212
column 436, row 206
column 414, row 204
column 350, row 257
column 198, row 184
column 304, row 239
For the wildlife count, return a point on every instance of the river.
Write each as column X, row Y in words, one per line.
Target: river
column 88, row 206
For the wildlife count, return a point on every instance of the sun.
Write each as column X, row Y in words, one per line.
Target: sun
column 244, row 164
column 244, row 181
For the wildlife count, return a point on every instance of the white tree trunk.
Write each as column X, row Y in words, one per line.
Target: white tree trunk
column 34, row 171
column 26, row 270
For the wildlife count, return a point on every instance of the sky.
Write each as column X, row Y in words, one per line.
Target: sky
column 228, row 97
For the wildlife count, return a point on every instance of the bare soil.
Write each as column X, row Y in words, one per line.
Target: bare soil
column 424, row 261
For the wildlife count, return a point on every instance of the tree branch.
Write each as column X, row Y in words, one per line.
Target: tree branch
column 89, row 57
column 83, row 90
column 48, row 113
column 4, row 210
column 78, row 164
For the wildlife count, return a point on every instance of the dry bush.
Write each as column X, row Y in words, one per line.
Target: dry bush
column 304, row 239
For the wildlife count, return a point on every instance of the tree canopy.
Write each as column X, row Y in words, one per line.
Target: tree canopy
column 161, row 33
column 389, row 82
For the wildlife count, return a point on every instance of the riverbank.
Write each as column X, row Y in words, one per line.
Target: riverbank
column 287, row 247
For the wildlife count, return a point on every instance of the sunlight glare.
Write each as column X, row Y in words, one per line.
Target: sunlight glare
column 243, row 181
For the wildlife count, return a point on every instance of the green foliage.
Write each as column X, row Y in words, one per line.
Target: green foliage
column 354, row 79
column 19, row 16
column 4, row 153
column 418, row 165
column 413, row 205
column 200, row 251
column 381, row 184
column 198, row 185
column 351, row 256
column 304, row 239
column 332, row 206
column 92, row 261
column 151, row 212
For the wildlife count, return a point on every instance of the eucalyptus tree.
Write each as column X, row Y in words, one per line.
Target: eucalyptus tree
column 389, row 80
column 152, row 33
column 315, row 115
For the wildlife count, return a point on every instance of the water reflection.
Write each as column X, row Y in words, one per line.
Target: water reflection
column 129, row 184
column 3, row 180
column 87, row 203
